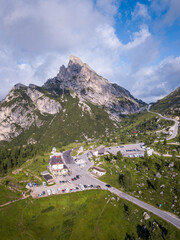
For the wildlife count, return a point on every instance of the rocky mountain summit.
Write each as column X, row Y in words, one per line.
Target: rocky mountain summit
column 85, row 82
column 27, row 109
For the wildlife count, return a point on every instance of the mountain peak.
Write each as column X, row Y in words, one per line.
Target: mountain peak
column 75, row 60
column 19, row 85
column 83, row 80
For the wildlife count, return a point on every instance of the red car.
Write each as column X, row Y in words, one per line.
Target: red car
column 72, row 179
column 62, row 190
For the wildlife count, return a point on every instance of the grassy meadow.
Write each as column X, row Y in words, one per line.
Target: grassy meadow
column 93, row 214
column 143, row 182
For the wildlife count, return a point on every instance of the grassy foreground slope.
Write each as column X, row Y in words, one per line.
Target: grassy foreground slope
column 137, row 176
column 87, row 215
column 6, row 195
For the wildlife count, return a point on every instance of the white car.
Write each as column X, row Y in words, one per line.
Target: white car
column 44, row 184
column 53, row 191
column 81, row 187
column 48, row 191
column 67, row 189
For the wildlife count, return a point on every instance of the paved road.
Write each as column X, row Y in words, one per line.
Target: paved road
column 165, row 155
column 88, row 178
column 67, row 157
column 174, row 127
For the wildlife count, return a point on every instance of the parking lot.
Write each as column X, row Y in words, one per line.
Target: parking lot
column 129, row 150
column 67, row 184
column 64, row 184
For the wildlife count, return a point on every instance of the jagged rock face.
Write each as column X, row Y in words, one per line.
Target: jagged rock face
column 94, row 88
column 43, row 103
column 18, row 110
column 31, row 106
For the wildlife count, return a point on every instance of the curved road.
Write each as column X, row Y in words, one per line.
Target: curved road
column 88, row 178
column 175, row 127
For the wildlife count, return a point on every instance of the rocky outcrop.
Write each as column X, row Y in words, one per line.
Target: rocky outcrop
column 27, row 106
column 44, row 104
column 18, row 111
column 94, row 88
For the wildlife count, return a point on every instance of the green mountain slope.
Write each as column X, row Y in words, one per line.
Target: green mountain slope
column 169, row 105
column 75, row 121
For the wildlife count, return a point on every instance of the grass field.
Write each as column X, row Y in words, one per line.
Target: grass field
column 93, row 214
column 144, row 184
column 7, row 195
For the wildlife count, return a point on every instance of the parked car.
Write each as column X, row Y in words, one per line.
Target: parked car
column 85, row 186
column 81, row 187
column 91, row 186
column 44, row 184
column 77, row 188
column 43, row 193
column 30, row 184
column 108, row 185
column 72, row 179
column 53, row 191
column 75, row 178
column 49, row 192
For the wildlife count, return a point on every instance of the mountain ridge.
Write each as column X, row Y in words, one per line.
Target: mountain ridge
column 92, row 95
column 169, row 105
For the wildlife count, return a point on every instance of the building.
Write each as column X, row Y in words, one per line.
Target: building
column 57, row 166
column 53, row 150
column 150, row 152
column 48, row 178
column 98, row 171
column 99, row 151
column 81, row 149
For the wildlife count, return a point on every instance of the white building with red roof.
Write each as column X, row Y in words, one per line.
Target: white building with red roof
column 57, row 166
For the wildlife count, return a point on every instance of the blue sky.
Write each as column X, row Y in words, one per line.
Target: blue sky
column 133, row 43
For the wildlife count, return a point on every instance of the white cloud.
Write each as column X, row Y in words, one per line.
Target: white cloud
column 167, row 12
column 38, row 36
column 107, row 36
column 140, row 11
column 153, row 83
column 138, row 38
column 108, row 7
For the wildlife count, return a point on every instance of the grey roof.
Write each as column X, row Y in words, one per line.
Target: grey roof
column 44, row 173
column 99, row 169
column 100, row 147
column 48, row 177
column 56, row 160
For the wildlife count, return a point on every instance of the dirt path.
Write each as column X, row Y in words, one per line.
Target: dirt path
column 5, row 204
column 96, row 228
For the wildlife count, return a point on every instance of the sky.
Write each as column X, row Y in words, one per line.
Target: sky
column 135, row 44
